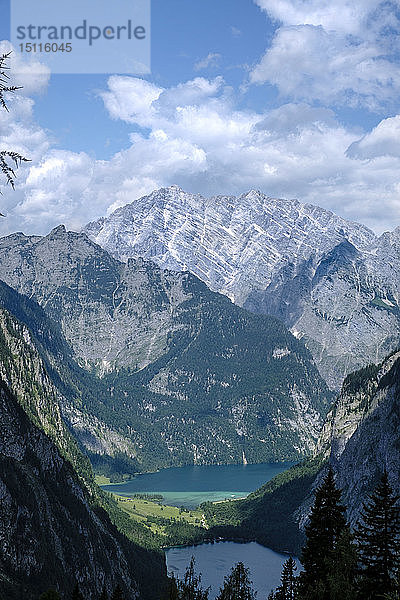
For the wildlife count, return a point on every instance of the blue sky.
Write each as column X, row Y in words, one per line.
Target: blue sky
column 298, row 98
column 183, row 33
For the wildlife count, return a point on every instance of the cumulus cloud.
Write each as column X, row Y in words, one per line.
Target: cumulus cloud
column 130, row 99
column 290, row 118
column 383, row 140
column 340, row 15
column 194, row 136
column 337, row 52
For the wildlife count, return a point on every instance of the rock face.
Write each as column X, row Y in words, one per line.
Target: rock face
column 333, row 282
column 363, row 432
column 53, row 533
column 361, row 438
column 23, row 371
column 186, row 376
column 51, row 390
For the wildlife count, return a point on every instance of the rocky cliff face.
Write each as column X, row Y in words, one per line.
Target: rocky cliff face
column 50, row 385
column 363, row 433
column 23, row 371
column 333, row 282
column 53, row 532
column 51, row 535
column 361, row 438
column 187, row 376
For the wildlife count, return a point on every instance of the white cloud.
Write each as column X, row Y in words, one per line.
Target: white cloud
column 211, row 61
column 26, row 70
column 382, row 141
column 290, row 118
column 336, row 52
column 130, row 99
column 306, row 62
column 193, row 135
column 346, row 16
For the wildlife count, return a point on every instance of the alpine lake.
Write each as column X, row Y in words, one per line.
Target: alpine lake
column 190, row 486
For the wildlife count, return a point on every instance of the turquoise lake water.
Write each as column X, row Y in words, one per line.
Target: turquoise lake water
column 190, row 486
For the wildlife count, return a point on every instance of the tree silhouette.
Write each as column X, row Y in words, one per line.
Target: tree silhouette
column 378, row 539
column 103, row 595
column 342, row 572
column 289, row 581
column 325, row 525
column 9, row 160
column 117, row 594
column 76, row 594
column 190, row 588
column 172, row 587
column 237, row 586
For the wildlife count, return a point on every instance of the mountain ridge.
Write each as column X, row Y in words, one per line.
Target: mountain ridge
column 254, row 248
column 54, row 529
column 177, row 361
column 359, row 441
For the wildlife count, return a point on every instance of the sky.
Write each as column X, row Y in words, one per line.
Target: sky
column 296, row 98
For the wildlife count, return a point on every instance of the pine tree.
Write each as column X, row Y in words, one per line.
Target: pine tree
column 378, row 539
column 103, row 595
column 172, row 587
column 289, row 582
column 342, row 573
column 326, row 523
column 237, row 585
column 190, row 588
column 76, row 594
column 117, row 594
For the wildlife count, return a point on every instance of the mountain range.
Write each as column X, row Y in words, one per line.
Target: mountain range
column 333, row 282
column 183, row 330
column 155, row 367
column 55, row 531
column 361, row 438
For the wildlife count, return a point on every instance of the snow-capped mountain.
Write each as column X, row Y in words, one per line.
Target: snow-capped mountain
column 332, row 281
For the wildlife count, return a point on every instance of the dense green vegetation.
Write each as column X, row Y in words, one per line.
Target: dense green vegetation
column 225, row 380
column 158, row 525
column 339, row 565
column 357, row 381
column 260, row 516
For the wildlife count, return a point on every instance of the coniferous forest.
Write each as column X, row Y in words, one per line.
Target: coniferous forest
column 200, row 300
column 337, row 563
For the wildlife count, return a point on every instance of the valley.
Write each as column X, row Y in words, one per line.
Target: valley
column 200, row 300
column 154, row 369
column 199, row 419
column 178, row 527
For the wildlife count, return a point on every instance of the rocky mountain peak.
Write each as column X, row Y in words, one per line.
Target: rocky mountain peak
column 161, row 339
column 256, row 249
column 57, row 232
